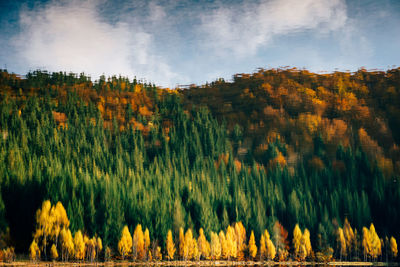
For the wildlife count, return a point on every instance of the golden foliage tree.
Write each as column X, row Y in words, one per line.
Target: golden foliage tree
column 341, row 241
column 138, row 243
column 271, row 251
column 240, row 236
column 158, row 254
column 349, row 237
column 99, row 246
column 67, row 244
column 146, row 241
column 53, row 252
column 307, row 243
column 215, row 246
column 263, row 248
column 203, row 245
column 376, row 246
column 393, row 247
column 49, row 222
column 224, row 245
column 79, row 245
column 187, row 251
column 34, row 251
column 181, row 243
column 125, row 243
column 366, row 243
column 231, row 242
column 297, row 235
column 170, row 246
column 252, row 246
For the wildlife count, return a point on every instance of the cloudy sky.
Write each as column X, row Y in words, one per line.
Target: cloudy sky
column 171, row 42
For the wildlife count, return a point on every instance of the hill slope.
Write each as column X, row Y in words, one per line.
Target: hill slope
column 283, row 145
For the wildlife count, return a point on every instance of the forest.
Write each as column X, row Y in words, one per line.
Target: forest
column 279, row 164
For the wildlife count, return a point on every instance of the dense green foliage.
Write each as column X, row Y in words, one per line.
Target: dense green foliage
column 178, row 165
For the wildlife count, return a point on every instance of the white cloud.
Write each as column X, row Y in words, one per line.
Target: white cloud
column 242, row 29
column 71, row 36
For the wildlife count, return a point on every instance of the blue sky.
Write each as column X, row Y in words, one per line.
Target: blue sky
column 171, row 42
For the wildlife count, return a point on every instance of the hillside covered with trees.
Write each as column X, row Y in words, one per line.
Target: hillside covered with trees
column 269, row 152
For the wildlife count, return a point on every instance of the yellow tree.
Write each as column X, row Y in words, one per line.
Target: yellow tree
column 125, row 243
column 271, row 251
column 194, row 250
column 252, row 246
column 224, row 245
column 90, row 250
column 170, row 246
column 376, row 247
column 393, row 247
column 53, row 252
column 158, row 254
column 307, row 242
column 79, row 246
column 366, row 243
column 44, row 225
column 190, row 248
column 60, row 220
column 99, row 246
column 341, row 243
column 231, row 242
column 240, row 236
column 215, row 247
column 34, row 251
column 203, row 245
column 349, row 237
column 297, row 235
column 67, row 244
column 263, row 248
column 181, row 243
column 146, row 241
column 138, row 243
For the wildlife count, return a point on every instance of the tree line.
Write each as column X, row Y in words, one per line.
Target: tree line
column 52, row 228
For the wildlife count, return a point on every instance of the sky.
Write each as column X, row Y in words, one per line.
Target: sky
column 176, row 42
